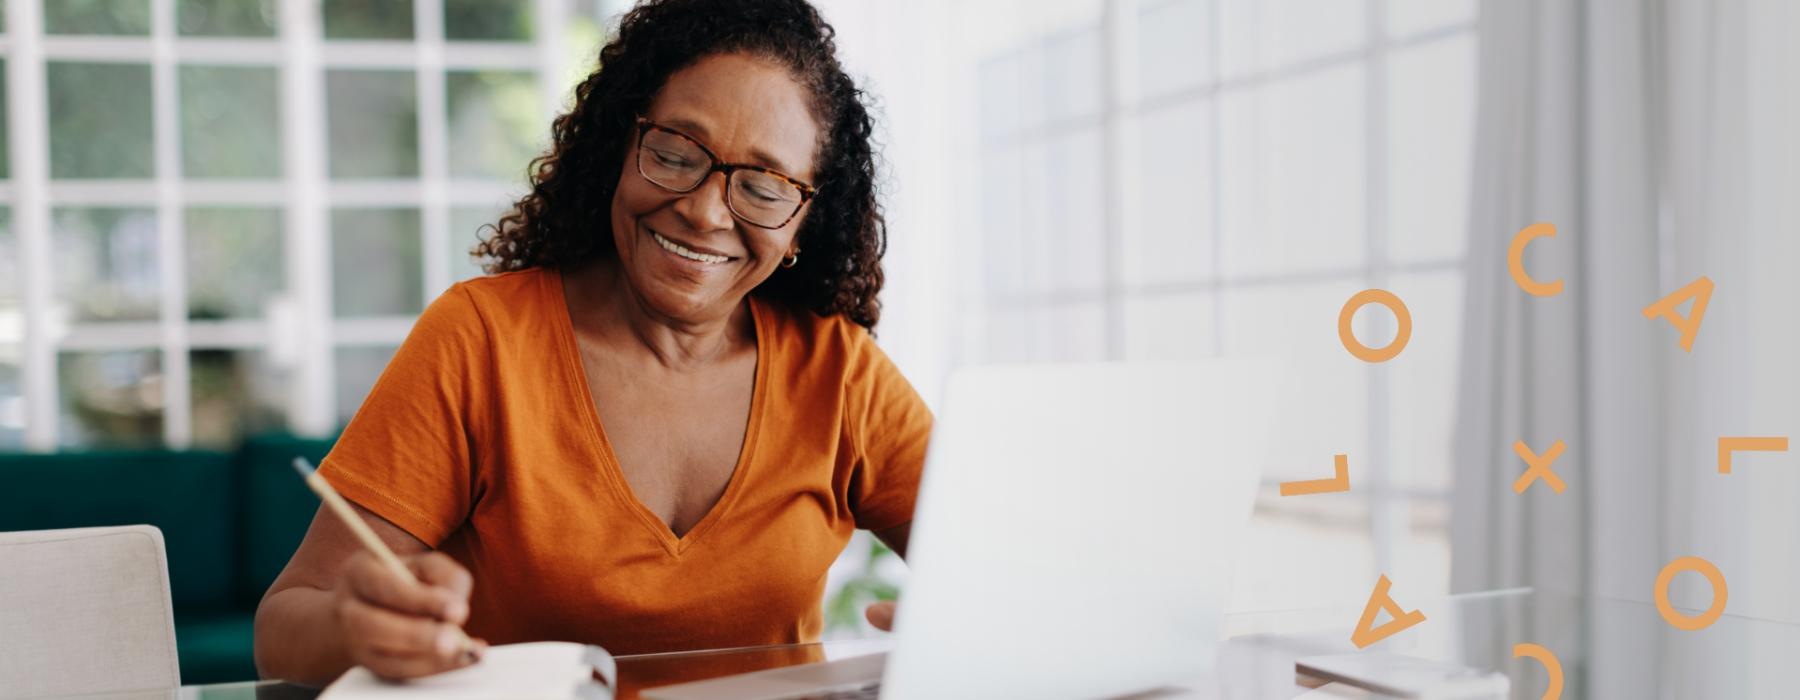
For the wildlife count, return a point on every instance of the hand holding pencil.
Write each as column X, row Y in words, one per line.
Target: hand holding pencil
column 401, row 617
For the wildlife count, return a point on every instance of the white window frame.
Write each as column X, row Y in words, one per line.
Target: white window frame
column 1388, row 504
column 300, row 330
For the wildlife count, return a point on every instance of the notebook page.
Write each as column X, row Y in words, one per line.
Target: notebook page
column 534, row 671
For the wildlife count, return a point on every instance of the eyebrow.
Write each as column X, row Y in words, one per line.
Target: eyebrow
column 757, row 155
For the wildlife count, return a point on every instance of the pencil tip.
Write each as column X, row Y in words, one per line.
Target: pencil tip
column 302, row 466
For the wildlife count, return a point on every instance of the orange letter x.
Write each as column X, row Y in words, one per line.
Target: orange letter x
column 1538, row 467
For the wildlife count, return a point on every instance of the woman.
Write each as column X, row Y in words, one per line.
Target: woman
column 661, row 420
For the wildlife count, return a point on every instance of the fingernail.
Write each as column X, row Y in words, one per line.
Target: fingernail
column 456, row 610
column 446, row 642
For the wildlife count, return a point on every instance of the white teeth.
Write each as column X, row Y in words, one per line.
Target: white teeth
column 682, row 251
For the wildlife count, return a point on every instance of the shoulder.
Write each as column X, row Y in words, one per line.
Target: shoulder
column 490, row 303
column 800, row 332
column 830, row 351
column 506, row 289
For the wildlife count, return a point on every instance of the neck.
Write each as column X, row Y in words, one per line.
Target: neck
column 625, row 319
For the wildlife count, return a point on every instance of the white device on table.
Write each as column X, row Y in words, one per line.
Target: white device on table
column 1073, row 537
column 1398, row 676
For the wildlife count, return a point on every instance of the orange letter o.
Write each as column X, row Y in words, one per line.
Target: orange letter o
column 1678, row 620
column 1401, row 315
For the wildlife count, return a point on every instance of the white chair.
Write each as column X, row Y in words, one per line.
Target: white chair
column 85, row 611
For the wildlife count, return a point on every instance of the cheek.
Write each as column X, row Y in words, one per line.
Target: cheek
column 630, row 201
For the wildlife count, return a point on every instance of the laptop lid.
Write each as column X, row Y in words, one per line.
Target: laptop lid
column 1076, row 526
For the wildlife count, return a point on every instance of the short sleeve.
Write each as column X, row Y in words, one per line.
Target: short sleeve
column 406, row 455
column 889, row 425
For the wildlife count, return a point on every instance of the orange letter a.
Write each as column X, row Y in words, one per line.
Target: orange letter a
column 1700, row 291
column 1363, row 635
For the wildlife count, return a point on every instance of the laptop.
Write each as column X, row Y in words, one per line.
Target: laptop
column 1073, row 537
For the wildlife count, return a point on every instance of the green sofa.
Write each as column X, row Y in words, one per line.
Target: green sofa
column 230, row 520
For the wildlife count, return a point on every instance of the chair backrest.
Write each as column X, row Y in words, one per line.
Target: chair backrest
column 84, row 611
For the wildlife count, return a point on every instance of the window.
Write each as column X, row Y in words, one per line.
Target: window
column 1181, row 179
column 235, row 209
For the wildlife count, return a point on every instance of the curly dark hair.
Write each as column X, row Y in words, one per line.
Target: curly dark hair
column 565, row 219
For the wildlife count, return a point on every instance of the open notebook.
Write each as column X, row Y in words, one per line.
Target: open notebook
column 534, row 671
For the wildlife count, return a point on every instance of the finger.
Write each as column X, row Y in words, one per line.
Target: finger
column 379, row 585
column 438, row 570
column 881, row 614
column 403, row 666
column 398, row 634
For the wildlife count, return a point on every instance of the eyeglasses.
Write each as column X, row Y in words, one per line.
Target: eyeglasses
column 676, row 162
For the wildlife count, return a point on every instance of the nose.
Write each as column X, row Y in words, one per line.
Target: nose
column 704, row 209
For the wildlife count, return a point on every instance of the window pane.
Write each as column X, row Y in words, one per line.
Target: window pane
column 1174, row 237
column 99, row 120
column 1431, row 108
column 227, row 17
column 368, row 19
column 1037, row 332
column 106, row 263
column 1003, row 221
column 1292, row 170
column 376, row 269
column 12, row 402
column 494, row 20
column 1257, row 36
column 1011, row 335
column 236, row 393
column 1175, row 43
column 1002, row 110
column 1035, row 231
column 1170, row 328
column 230, row 121
column 1329, row 393
column 111, row 399
column 496, row 124
column 373, row 123
column 234, row 261
column 1076, row 332
column 1072, row 66
column 1405, row 17
column 357, row 369
column 468, row 228
column 1077, row 227
column 97, row 17
column 1424, row 378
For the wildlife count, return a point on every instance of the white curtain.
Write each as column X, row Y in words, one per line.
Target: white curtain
column 1657, row 136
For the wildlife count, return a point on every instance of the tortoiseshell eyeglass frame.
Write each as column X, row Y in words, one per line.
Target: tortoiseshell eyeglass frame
column 645, row 126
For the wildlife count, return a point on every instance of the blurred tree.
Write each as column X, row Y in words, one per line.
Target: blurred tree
column 234, row 262
column 844, row 608
column 97, row 17
column 487, row 20
column 230, row 121
column 368, row 19
column 226, row 17
column 99, row 120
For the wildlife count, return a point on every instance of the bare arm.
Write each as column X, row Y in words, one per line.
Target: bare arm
column 334, row 606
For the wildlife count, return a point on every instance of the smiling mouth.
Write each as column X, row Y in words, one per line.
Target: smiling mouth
column 687, row 252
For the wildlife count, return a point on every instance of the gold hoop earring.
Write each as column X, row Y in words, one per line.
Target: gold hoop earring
column 791, row 260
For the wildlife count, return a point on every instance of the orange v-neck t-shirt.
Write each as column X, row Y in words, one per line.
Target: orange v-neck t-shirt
column 482, row 440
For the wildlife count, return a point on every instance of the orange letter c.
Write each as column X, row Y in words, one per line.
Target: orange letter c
column 1515, row 261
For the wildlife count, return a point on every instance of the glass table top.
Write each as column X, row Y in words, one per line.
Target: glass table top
column 1606, row 648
